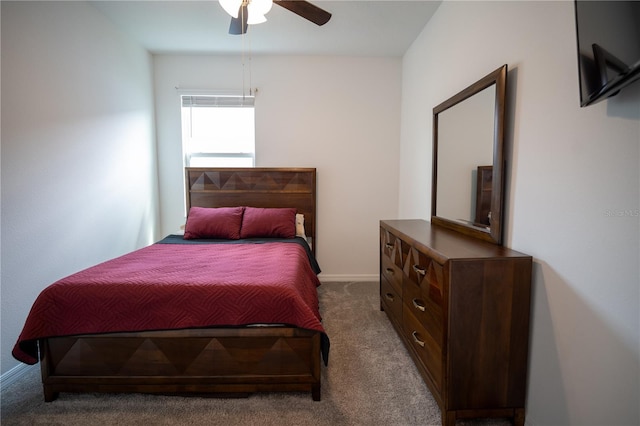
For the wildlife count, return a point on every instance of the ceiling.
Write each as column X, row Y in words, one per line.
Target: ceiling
column 356, row 28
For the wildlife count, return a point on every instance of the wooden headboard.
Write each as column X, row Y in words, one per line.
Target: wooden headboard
column 255, row 187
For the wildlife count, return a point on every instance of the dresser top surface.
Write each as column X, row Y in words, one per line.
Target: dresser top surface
column 448, row 243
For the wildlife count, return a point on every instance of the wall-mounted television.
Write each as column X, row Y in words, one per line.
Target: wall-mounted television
column 608, row 35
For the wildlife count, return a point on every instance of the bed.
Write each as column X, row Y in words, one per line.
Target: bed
column 231, row 342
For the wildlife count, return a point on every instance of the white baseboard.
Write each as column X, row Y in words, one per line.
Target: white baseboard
column 348, row 278
column 14, row 374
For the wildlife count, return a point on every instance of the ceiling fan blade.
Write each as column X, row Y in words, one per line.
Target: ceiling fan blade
column 239, row 25
column 306, row 10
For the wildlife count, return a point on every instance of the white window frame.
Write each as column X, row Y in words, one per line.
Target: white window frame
column 206, row 99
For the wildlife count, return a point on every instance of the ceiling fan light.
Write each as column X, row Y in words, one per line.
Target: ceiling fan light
column 231, row 6
column 255, row 19
column 260, row 7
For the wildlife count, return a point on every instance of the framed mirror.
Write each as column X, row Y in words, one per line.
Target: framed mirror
column 468, row 159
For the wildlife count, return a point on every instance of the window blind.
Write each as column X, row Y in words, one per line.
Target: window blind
column 218, row 101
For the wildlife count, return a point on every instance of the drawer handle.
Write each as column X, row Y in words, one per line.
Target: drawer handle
column 389, row 246
column 389, row 296
column 418, row 270
column 389, row 271
column 419, row 305
column 415, row 339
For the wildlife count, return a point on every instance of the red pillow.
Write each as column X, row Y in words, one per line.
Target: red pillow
column 268, row 222
column 220, row 222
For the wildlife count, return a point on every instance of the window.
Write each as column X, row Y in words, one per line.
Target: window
column 218, row 131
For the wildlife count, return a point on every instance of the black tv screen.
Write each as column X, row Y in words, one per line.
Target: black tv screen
column 608, row 47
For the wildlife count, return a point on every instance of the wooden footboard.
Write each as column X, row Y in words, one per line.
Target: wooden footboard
column 216, row 362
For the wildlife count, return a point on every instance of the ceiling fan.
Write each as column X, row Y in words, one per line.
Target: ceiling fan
column 247, row 12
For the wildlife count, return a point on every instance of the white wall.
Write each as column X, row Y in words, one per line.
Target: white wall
column 338, row 114
column 79, row 182
column 572, row 176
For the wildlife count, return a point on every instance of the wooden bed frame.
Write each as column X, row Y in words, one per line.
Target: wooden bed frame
column 209, row 361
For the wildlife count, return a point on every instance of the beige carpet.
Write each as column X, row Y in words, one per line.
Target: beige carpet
column 370, row 380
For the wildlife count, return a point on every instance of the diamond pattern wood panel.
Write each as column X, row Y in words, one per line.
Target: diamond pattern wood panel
column 196, row 356
column 250, row 180
column 255, row 187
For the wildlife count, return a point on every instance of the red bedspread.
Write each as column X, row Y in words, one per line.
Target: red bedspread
column 174, row 286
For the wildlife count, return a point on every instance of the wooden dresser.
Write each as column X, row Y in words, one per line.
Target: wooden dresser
column 461, row 307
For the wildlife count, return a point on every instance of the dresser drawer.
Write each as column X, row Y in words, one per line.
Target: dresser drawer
column 391, row 301
column 391, row 259
column 423, row 292
column 428, row 350
column 426, row 274
column 426, row 312
column 391, row 247
column 392, row 273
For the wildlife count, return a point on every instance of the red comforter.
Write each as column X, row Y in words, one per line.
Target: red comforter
column 175, row 286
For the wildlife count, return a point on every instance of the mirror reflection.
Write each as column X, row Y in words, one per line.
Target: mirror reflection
column 468, row 173
column 463, row 149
